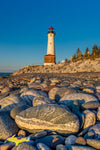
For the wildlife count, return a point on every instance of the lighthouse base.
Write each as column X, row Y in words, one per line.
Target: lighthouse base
column 49, row 59
column 45, row 64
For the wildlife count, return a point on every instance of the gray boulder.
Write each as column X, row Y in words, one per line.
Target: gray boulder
column 48, row 116
column 10, row 102
column 7, row 125
column 58, row 92
column 82, row 98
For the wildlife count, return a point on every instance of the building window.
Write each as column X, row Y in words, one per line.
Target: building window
column 49, row 59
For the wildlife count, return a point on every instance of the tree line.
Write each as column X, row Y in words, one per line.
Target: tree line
column 87, row 55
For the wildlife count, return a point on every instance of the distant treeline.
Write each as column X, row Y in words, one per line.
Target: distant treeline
column 87, row 55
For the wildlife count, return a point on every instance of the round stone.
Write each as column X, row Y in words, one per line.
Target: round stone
column 80, row 141
column 70, row 140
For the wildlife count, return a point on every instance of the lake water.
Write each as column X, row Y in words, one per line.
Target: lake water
column 5, row 74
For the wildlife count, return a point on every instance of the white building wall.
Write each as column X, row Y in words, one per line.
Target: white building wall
column 51, row 46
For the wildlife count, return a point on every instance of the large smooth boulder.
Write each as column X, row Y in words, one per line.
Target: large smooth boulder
column 58, row 92
column 10, row 102
column 48, row 116
column 82, row 98
column 28, row 96
column 7, row 125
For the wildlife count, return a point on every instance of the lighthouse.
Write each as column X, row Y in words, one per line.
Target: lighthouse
column 49, row 59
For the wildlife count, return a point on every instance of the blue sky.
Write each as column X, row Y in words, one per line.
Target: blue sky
column 24, row 25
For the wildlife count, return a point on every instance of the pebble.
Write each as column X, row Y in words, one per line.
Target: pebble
column 80, row 141
column 70, row 140
column 42, row 146
column 61, row 147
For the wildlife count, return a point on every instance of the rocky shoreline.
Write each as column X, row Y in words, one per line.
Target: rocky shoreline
column 85, row 65
column 50, row 111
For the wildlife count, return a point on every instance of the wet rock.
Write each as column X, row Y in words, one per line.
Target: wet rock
column 48, row 116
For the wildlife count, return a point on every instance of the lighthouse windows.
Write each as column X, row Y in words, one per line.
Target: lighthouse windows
column 49, row 59
column 50, row 43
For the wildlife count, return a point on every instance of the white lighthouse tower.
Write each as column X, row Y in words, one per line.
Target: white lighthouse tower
column 49, row 59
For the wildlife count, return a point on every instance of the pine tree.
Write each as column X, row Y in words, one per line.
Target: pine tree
column 74, row 57
column 95, row 50
column 78, row 53
column 87, row 53
column 66, row 60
